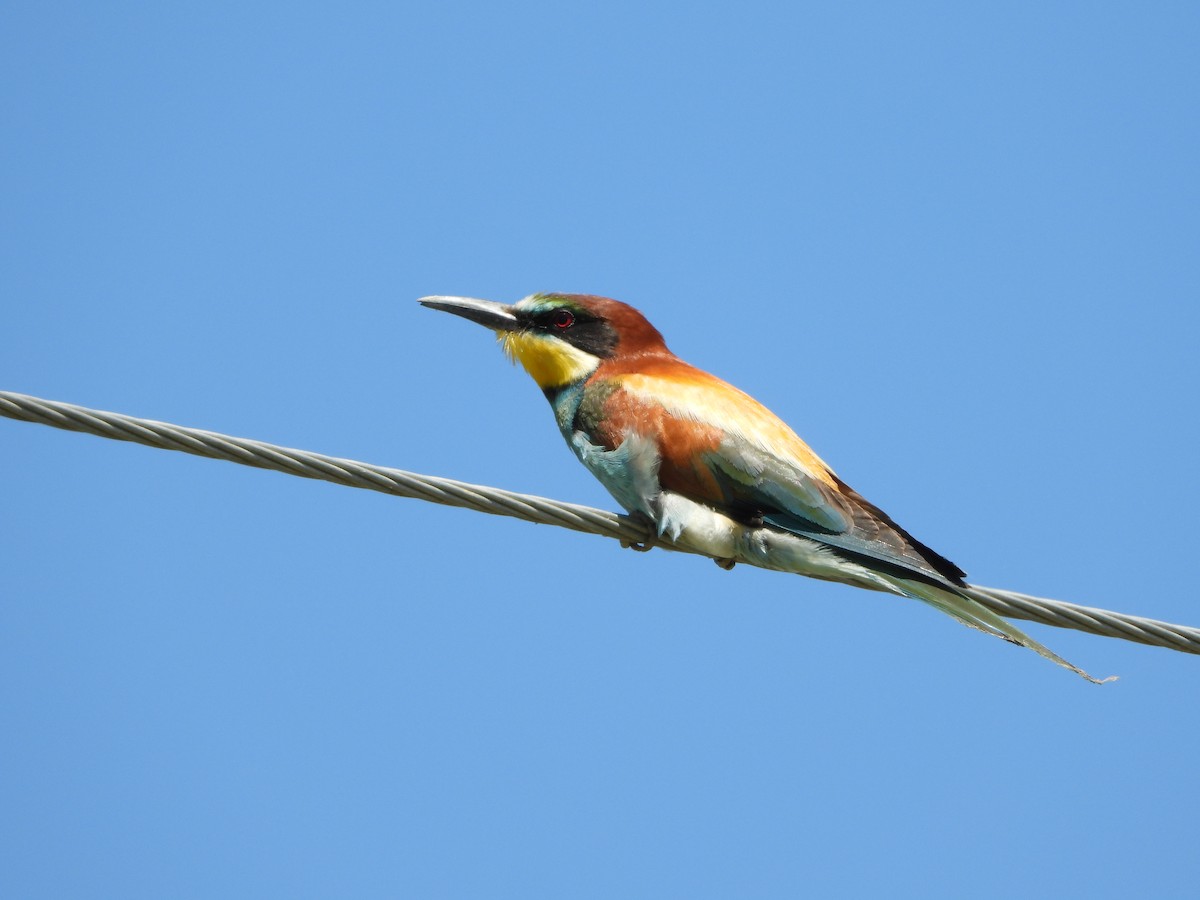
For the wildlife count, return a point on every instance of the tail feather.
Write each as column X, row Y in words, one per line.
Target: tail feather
column 958, row 604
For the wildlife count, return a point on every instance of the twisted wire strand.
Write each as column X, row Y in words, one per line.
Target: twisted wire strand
column 528, row 507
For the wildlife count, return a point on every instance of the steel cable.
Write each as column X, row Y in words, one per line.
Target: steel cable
column 530, row 508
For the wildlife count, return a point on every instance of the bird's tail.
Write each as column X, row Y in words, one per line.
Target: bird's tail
column 957, row 602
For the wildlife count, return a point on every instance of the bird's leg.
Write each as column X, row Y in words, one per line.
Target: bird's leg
column 726, row 564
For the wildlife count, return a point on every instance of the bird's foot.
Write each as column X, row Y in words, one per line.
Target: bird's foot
column 639, row 546
column 643, row 546
column 726, row 564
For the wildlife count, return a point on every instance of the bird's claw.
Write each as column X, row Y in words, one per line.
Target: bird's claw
column 726, row 564
column 639, row 546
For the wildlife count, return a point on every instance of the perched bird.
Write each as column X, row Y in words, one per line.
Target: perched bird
column 714, row 469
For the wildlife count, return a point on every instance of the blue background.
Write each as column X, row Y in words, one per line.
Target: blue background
column 955, row 245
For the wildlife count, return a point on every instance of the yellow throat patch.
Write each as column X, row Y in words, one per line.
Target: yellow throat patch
column 551, row 362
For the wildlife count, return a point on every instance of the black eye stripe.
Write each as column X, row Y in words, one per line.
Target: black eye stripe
column 578, row 327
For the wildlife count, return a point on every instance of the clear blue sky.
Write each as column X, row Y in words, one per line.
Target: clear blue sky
column 955, row 245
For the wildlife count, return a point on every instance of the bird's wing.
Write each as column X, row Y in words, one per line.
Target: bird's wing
column 722, row 447
column 781, row 491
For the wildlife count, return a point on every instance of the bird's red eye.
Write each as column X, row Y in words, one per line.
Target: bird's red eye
column 562, row 319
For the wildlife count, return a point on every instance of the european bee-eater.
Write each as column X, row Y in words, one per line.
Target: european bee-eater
column 712, row 467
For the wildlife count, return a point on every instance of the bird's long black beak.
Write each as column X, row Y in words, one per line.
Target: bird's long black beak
column 495, row 316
